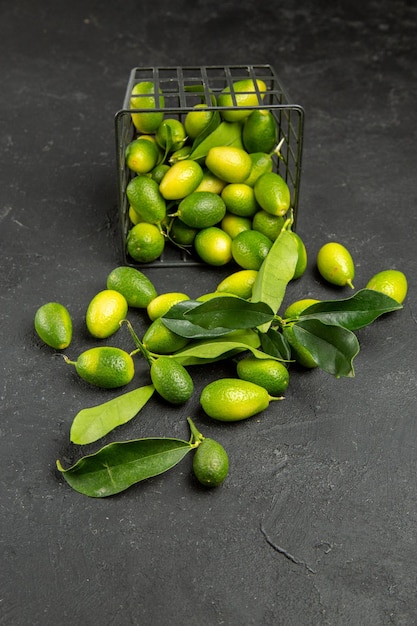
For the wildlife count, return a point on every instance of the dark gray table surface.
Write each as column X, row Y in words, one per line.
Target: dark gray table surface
column 316, row 523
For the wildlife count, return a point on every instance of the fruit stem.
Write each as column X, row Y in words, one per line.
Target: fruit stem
column 349, row 282
column 277, row 149
column 140, row 347
column 195, row 434
column 67, row 360
column 271, row 398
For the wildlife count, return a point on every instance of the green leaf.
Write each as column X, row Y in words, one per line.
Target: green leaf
column 230, row 312
column 275, row 273
column 176, row 321
column 120, row 465
column 332, row 347
column 226, row 134
column 354, row 312
column 218, row 349
column 275, row 344
column 94, row 422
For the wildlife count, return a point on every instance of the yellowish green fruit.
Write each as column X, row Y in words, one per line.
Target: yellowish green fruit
column 239, row 199
column 145, row 96
column 53, row 325
column 392, row 283
column 170, row 134
column 272, row 193
column 235, row 224
column 159, row 172
column 201, row 209
column 267, row 224
column 210, row 463
column 171, row 380
column 198, row 120
column 145, row 242
column 182, row 234
column 296, row 308
column 133, row 285
column 301, row 265
column 105, row 312
column 133, row 216
column 229, row 163
column 212, row 183
column 261, row 164
column 259, row 133
column 247, row 92
column 181, row 180
column 335, row 264
column 268, row 373
column 141, row 156
column 250, row 248
column 233, row 399
column 145, row 198
column 105, row 367
column 239, row 283
column 213, row 245
column 159, row 339
column 165, row 301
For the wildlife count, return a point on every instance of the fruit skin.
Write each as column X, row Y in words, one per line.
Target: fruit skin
column 259, row 133
column 239, row 283
column 146, row 122
column 301, row 265
column 146, row 199
column 181, row 180
column 229, row 163
column 105, row 367
column 232, row 399
column 171, row 380
column 272, row 193
column 246, row 95
column 53, row 324
column 141, row 156
column 249, row 249
column 392, row 283
column 210, row 463
column 105, row 312
column 214, row 246
column 296, row 308
column 268, row 373
column 145, row 242
column 162, row 303
column 133, row 285
column 161, row 340
column 335, row 264
column 267, row 224
column 201, row 209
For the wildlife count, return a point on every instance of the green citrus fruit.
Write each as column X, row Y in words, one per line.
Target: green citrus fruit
column 105, row 312
column 165, row 301
column 53, row 324
column 182, row 234
column 210, row 463
column 212, row 183
column 171, row 135
column 259, row 133
column 159, row 172
column 171, row 380
column 133, row 216
column 198, row 120
column 301, row 265
column 181, row 180
column 240, row 199
column 298, row 352
column 145, row 242
column 268, row 373
column 105, row 367
column 229, row 163
column 235, row 224
column 335, row 264
column 159, row 339
column 133, row 285
column 145, row 198
column 141, row 156
column 247, row 93
column 267, row 224
column 272, row 193
column 239, row 283
column 261, row 164
column 201, row 209
column 392, row 283
column 144, row 96
column 233, row 399
column 296, row 308
column 250, row 248
column 213, row 245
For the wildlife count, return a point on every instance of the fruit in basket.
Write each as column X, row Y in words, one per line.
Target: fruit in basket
column 269, row 225
column 272, row 193
column 171, row 380
column 210, row 463
column 198, row 120
column 268, row 373
column 181, row 179
column 261, row 164
column 201, row 209
column 210, row 182
column 141, row 156
column 335, row 264
column 159, row 172
column 180, row 233
column 144, row 96
column 213, row 245
column 240, row 199
column 133, row 285
column 162, row 303
column 249, row 249
column 239, row 283
column 247, row 93
column 53, row 324
column 146, row 199
column 229, row 163
column 235, row 224
column 105, row 367
column 171, row 135
column 392, row 283
column 105, row 312
column 145, row 242
column 259, row 133
column 233, row 399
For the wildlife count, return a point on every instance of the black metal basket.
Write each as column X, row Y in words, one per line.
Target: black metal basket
column 177, row 85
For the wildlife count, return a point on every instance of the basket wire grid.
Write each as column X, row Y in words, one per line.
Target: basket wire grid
column 183, row 88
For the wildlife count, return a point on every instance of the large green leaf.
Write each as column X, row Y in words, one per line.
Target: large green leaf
column 332, row 347
column 230, row 312
column 176, row 321
column 275, row 344
column 354, row 312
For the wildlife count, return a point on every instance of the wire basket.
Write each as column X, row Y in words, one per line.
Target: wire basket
column 184, row 87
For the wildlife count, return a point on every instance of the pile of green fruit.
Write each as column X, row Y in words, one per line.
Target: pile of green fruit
column 205, row 182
